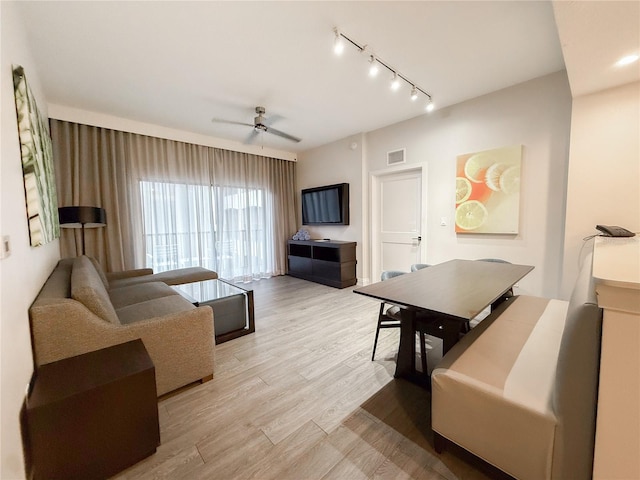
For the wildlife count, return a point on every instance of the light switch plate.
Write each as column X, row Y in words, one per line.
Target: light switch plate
column 5, row 247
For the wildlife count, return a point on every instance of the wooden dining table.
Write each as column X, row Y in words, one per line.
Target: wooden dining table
column 458, row 290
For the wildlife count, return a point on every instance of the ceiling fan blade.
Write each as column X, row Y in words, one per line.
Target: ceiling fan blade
column 272, row 119
column 231, row 122
column 252, row 136
column 283, row 135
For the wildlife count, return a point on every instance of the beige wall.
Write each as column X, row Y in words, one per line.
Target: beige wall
column 23, row 273
column 604, row 169
column 535, row 114
column 337, row 162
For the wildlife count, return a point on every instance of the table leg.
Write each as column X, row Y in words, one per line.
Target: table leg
column 407, row 347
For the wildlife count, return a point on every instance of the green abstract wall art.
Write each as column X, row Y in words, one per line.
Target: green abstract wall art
column 37, row 164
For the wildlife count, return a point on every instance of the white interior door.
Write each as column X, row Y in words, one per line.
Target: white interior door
column 397, row 218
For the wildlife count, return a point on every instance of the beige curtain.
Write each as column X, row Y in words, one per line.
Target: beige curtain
column 91, row 170
column 107, row 168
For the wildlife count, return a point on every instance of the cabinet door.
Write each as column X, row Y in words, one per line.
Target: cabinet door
column 301, row 265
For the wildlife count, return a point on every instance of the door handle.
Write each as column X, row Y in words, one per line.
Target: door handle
column 417, row 238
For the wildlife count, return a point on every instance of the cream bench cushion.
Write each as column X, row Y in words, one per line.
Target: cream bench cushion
column 520, row 390
column 505, row 369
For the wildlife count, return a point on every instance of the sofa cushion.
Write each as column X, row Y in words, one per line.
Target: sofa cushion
column 58, row 285
column 100, row 271
column 158, row 307
column 125, row 296
column 171, row 277
column 87, row 288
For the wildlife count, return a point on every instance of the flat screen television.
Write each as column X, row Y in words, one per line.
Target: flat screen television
column 328, row 205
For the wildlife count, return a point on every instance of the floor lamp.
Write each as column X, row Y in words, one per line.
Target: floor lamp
column 82, row 217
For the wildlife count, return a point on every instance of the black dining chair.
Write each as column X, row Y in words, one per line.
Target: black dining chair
column 390, row 317
column 418, row 266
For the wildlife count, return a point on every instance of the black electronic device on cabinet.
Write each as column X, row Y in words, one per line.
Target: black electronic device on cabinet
column 614, row 231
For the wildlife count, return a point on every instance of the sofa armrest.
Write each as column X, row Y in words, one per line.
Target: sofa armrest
column 181, row 345
column 136, row 272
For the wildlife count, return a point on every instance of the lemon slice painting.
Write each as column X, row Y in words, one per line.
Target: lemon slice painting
column 471, row 215
column 463, row 189
column 488, row 191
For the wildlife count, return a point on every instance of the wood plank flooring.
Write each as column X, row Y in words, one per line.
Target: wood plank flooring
column 301, row 399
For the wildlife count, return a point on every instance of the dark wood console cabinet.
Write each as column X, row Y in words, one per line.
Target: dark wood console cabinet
column 330, row 262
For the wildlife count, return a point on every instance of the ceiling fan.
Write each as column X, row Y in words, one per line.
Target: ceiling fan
column 260, row 124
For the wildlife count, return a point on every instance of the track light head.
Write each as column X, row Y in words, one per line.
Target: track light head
column 338, row 43
column 373, row 66
column 395, row 82
column 375, row 63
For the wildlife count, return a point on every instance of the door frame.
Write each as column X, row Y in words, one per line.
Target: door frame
column 375, row 178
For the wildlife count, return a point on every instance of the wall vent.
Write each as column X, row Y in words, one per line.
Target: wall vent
column 397, row 156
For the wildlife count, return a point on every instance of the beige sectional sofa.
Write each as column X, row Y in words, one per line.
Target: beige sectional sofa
column 81, row 309
column 520, row 390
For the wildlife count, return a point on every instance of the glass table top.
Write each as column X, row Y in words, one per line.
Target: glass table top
column 208, row 290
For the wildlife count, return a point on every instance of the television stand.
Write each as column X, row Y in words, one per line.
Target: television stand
column 330, row 262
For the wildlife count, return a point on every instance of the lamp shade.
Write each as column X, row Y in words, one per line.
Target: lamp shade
column 82, row 217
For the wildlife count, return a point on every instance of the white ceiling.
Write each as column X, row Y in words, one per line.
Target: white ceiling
column 594, row 36
column 180, row 64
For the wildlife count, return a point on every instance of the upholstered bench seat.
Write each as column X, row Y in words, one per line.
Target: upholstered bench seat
column 520, row 390
column 505, row 368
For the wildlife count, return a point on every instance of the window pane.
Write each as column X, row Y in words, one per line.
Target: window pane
column 223, row 228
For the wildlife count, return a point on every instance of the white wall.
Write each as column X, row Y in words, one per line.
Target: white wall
column 337, row 162
column 23, row 273
column 535, row 114
column 604, row 169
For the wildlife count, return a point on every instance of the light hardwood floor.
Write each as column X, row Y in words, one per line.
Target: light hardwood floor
column 301, row 399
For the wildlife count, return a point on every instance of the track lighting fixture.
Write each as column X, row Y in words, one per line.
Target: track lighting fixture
column 374, row 66
column 395, row 82
column 338, row 43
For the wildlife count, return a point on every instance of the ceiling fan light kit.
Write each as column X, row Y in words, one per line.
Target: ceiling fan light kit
column 374, row 65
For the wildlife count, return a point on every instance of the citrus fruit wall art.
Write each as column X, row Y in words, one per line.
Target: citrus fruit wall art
column 488, row 191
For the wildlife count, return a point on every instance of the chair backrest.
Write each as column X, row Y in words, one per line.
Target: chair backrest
column 390, row 274
column 418, row 266
column 494, row 260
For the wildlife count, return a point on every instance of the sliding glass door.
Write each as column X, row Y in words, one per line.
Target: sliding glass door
column 223, row 228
